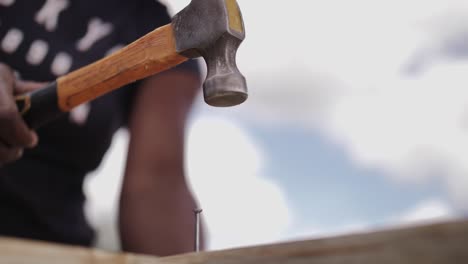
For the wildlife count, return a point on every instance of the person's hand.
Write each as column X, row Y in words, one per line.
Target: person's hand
column 15, row 135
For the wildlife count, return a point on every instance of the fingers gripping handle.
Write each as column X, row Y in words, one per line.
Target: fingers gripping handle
column 39, row 107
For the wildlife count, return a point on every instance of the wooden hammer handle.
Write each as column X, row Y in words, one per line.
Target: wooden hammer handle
column 151, row 54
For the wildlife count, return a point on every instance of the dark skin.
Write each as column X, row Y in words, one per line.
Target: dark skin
column 15, row 135
column 156, row 204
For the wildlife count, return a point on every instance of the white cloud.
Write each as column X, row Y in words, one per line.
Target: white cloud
column 337, row 65
column 295, row 97
column 413, row 129
column 316, row 232
column 241, row 207
column 428, row 211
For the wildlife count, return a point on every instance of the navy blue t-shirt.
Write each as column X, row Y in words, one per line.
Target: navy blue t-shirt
column 41, row 195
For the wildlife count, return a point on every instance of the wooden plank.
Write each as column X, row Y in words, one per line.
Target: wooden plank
column 433, row 244
column 18, row 251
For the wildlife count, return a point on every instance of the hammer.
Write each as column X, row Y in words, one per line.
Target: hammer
column 212, row 29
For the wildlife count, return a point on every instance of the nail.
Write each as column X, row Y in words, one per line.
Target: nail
column 197, row 213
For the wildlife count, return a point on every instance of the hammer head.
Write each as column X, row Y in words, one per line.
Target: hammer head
column 214, row 29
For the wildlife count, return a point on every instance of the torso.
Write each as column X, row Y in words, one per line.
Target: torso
column 43, row 191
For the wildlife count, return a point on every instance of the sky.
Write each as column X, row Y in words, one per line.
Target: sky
column 357, row 119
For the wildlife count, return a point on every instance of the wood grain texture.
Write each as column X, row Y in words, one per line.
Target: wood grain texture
column 18, row 251
column 153, row 53
column 432, row 244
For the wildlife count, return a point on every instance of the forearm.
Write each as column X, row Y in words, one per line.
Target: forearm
column 158, row 218
column 156, row 211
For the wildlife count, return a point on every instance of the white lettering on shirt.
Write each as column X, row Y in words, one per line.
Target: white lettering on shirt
column 80, row 114
column 61, row 64
column 97, row 29
column 12, row 40
column 37, row 52
column 7, row 2
column 49, row 13
column 115, row 49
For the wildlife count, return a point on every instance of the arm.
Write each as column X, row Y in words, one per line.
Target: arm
column 156, row 206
